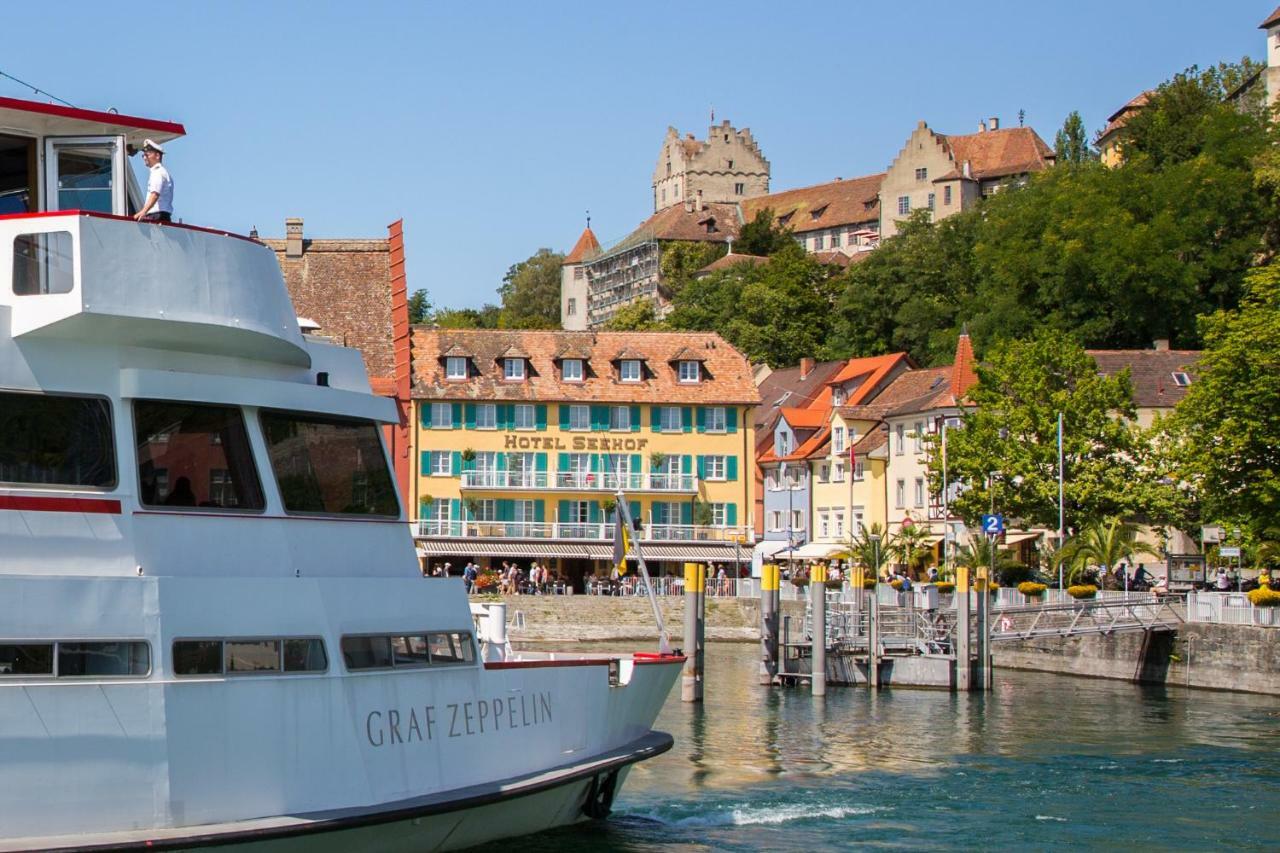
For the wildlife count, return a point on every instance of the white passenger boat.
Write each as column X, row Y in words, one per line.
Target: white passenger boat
column 213, row 629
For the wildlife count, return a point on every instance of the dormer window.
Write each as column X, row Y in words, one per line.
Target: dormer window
column 513, row 369
column 571, row 370
column 455, row 367
column 1181, row 379
column 690, row 371
column 837, row 396
column 629, row 370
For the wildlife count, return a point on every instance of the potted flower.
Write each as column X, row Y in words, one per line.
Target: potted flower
column 608, row 505
column 1082, row 591
column 1266, row 602
column 468, row 455
column 1033, row 591
column 945, row 587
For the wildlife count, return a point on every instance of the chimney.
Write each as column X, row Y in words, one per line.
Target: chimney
column 982, row 127
column 806, row 366
column 293, row 237
column 1161, row 344
column 966, row 170
column 993, row 123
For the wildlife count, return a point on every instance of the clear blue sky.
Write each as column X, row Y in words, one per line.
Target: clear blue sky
column 491, row 127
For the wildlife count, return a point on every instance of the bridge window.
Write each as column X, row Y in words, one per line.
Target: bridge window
column 43, row 264
column 76, row 658
column 192, row 455
column 249, row 656
column 329, row 465
column 17, row 168
column 48, row 440
column 408, row 651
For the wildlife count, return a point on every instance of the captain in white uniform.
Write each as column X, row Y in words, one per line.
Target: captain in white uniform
column 159, row 204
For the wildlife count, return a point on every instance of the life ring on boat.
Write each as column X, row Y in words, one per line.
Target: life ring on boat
column 599, row 802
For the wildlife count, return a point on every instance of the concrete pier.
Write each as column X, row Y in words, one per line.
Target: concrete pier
column 962, row 632
column 695, row 586
column 818, row 606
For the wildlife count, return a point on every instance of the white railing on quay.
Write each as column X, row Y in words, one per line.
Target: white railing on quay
column 1229, row 608
column 699, row 533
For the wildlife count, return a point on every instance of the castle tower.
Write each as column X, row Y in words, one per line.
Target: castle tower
column 1271, row 74
column 573, row 281
column 726, row 167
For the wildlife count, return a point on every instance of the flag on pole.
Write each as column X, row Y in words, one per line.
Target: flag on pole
column 621, row 542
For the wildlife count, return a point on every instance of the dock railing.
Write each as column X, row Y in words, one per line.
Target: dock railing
column 1229, row 608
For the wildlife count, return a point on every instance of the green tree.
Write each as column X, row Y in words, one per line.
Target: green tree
column 1105, row 544
column 977, row 555
column 870, row 548
column 1012, row 433
column 1227, row 428
column 638, row 316
column 530, row 292
column 467, row 318
column 911, row 546
column 762, row 236
column 1071, row 146
column 681, row 260
column 419, row 307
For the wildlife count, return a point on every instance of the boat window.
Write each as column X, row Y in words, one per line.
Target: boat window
column 76, row 658
column 56, row 441
column 329, row 465
column 17, row 168
column 43, row 264
column 194, row 455
column 407, row 651
column 247, row 656
column 103, row 658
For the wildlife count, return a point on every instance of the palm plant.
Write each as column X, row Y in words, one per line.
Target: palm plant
column 977, row 555
column 911, row 545
column 870, row 548
column 1105, row 544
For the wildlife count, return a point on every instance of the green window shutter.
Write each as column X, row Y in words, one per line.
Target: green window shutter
column 635, row 418
column 731, row 468
column 686, row 513
column 600, row 418
column 593, row 512
column 455, row 464
column 702, row 464
column 540, row 463
column 686, row 419
column 702, row 419
column 635, row 463
column 424, row 410
column 426, row 463
column 505, row 509
column 562, row 462
column 655, row 419
column 467, row 464
column 686, row 464
column 540, row 413
column 731, row 419
column 455, row 509
column 564, row 416
column 563, row 516
column 456, row 423
column 595, row 463
column 731, row 515
column 539, row 511
column 500, row 462
column 471, row 415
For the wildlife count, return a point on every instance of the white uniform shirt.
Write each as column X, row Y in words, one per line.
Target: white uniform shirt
column 162, row 185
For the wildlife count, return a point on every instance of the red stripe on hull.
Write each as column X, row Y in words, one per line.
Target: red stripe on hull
column 92, row 506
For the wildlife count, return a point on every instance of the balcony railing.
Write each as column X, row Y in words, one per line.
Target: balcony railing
column 580, row 481
column 505, row 479
column 430, row 529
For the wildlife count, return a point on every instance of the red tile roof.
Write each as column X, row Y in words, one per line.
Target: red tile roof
column 1151, row 372
column 729, row 380
column 1273, row 18
column 805, row 418
column 712, row 222
column 873, row 370
column 586, row 246
column 1118, row 119
column 997, row 153
column 831, row 205
column 963, row 376
column 732, row 260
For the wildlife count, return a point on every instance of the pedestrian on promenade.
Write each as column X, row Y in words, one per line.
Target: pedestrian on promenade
column 158, row 206
column 1223, row 581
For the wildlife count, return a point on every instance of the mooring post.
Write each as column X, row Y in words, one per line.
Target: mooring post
column 960, row 636
column 691, row 680
column 873, row 641
column 988, row 620
column 702, row 628
column 818, row 604
column 981, row 614
column 768, row 623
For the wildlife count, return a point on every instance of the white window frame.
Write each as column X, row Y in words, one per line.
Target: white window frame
column 859, row 471
column 715, row 467
column 900, row 431
column 797, row 520
column 525, row 416
column 571, row 370
column 900, row 494
column 486, row 416
column 579, row 424
column 837, row 396
column 690, row 372
column 824, row 524
column 524, row 511
column 919, row 437
column 666, row 414
column 441, row 463
column 837, row 440
column 775, row 520
column 455, row 367
column 716, row 419
column 620, row 418
column 919, row 491
column 838, row 516
column 904, row 205
column 629, row 370
column 719, row 514
column 838, row 477
column 513, row 370
column 438, row 422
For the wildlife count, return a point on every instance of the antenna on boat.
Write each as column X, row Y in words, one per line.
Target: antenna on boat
column 623, row 539
column 37, row 90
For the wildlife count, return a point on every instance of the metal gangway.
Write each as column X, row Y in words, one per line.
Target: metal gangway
column 1074, row 619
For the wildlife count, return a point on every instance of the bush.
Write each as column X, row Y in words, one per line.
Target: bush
column 1082, row 591
column 945, row 586
column 1264, row 597
column 868, row 583
column 1031, row 588
column 1014, row 575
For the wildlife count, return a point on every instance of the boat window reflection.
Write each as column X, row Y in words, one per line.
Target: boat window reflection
column 249, row 655
column 408, row 651
column 56, row 441
column 329, row 465
column 26, row 658
column 103, row 658
column 194, row 455
column 252, row 655
column 43, row 263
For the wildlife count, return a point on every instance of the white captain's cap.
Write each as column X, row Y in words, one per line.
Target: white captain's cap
column 153, row 145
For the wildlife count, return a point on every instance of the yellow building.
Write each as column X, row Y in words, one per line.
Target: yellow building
column 523, row 438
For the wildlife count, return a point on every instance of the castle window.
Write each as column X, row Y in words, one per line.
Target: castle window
column 931, row 200
column 738, row 189
column 835, row 239
column 577, row 273
column 922, row 174
column 730, row 164
column 572, row 308
column 818, row 243
column 904, row 205
column 946, row 195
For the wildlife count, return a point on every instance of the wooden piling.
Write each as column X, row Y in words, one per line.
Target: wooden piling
column 769, row 600
column 818, row 605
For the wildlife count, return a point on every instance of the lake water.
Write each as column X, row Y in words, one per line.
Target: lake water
column 1042, row 761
